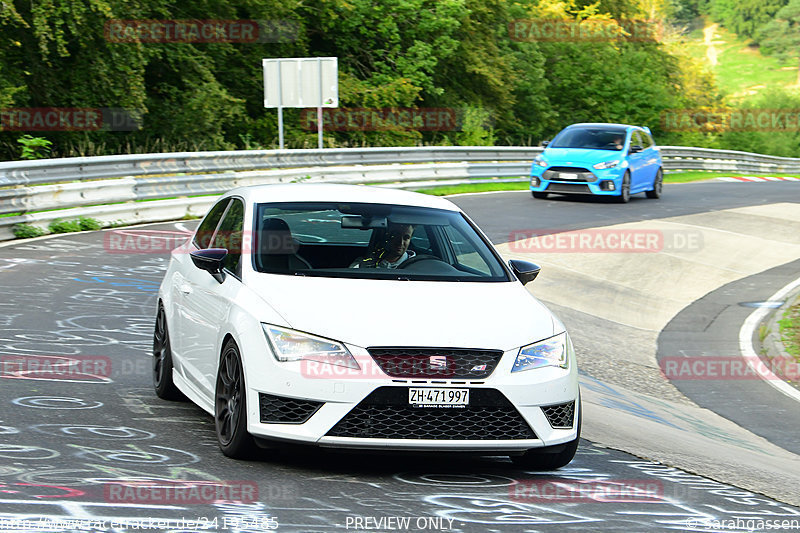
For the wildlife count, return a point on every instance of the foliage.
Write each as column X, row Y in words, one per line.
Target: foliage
column 64, row 226
column 781, row 36
column 89, row 224
column 34, row 147
column 27, row 231
column 745, row 17
column 456, row 55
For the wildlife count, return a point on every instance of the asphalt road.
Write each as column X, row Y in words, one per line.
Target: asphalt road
column 73, row 439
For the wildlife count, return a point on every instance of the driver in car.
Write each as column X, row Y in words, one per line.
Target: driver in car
column 392, row 251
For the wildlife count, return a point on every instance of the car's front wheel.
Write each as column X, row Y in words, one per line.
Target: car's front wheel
column 162, row 360
column 551, row 457
column 625, row 189
column 658, row 184
column 230, row 405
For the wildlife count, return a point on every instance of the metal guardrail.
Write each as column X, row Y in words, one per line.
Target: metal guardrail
column 111, row 188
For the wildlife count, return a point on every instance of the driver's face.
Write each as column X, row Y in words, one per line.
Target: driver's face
column 397, row 241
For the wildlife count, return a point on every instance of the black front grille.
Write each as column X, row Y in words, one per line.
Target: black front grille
column 560, row 416
column 568, row 188
column 280, row 410
column 386, row 414
column 582, row 174
column 424, row 363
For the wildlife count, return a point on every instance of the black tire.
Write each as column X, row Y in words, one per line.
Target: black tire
column 625, row 189
column 551, row 457
column 658, row 184
column 230, row 406
column 162, row 360
column 539, row 195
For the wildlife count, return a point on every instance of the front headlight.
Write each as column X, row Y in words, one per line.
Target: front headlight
column 549, row 352
column 606, row 164
column 540, row 161
column 290, row 345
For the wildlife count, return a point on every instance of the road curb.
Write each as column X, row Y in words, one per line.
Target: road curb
column 772, row 343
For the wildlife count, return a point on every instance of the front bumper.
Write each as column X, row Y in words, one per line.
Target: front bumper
column 607, row 182
column 344, row 391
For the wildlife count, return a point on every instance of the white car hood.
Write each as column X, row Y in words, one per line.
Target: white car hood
column 368, row 312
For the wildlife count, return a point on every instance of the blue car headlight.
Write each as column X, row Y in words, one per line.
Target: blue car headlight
column 606, row 164
column 290, row 345
column 540, row 161
column 548, row 352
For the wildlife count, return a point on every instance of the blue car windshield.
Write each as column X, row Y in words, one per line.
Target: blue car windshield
column 591, row 138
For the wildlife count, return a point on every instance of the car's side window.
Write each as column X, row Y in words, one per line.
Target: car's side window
column 202, row 238
column 647, row 140
column 229, row 235
column 635, row 140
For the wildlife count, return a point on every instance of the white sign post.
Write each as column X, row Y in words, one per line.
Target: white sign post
column 301, row 82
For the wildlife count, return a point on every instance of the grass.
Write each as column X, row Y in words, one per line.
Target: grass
column 671, row 177
column 789, row 326
column 476, row 187
column 741, row 69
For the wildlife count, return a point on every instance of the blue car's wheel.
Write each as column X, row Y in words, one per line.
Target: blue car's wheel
column 625, row 189
column 658, row 184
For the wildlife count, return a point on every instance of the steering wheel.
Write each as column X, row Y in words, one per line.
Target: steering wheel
column 417, row 258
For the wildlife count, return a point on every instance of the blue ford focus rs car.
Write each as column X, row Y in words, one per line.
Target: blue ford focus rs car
column 603, row 159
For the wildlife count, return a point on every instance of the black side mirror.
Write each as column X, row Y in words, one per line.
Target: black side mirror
column 210, row 260
column 635, row 149
column 525, row 271
column 545, row 143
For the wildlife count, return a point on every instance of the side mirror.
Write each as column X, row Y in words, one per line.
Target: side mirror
column 525, row 271
column 635, row 149
column 210, row 260
column 545, row 143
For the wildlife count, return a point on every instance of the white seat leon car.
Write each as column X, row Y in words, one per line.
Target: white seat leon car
column 360, row 317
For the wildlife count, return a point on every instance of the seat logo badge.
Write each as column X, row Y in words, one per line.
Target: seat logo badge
column 438, row 361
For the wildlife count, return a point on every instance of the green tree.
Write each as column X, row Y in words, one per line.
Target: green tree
column 781, row 36
column 745, row 17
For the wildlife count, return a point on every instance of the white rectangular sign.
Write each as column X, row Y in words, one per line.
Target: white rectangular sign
column 301, row 82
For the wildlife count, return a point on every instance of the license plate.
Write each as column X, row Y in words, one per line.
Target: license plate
column 433, row 397
column 567, row 176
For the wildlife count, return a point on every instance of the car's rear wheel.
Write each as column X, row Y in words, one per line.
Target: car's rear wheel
column 625, row 189
column 551, row 457
column 230, row 405
column 162, row 360
column 658, row 184
column 539, row 195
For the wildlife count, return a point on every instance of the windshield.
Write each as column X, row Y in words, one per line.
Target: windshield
column 592, row 138
column 371, row 241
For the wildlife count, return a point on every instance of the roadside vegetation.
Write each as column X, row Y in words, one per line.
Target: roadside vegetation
column 789, row 326
column 488, row 63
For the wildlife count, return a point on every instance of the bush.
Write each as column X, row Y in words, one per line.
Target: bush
column 64, row 226
column 26, row 231
column 89, row 224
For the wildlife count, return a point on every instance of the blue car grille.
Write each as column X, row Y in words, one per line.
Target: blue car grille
column 582, row 174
